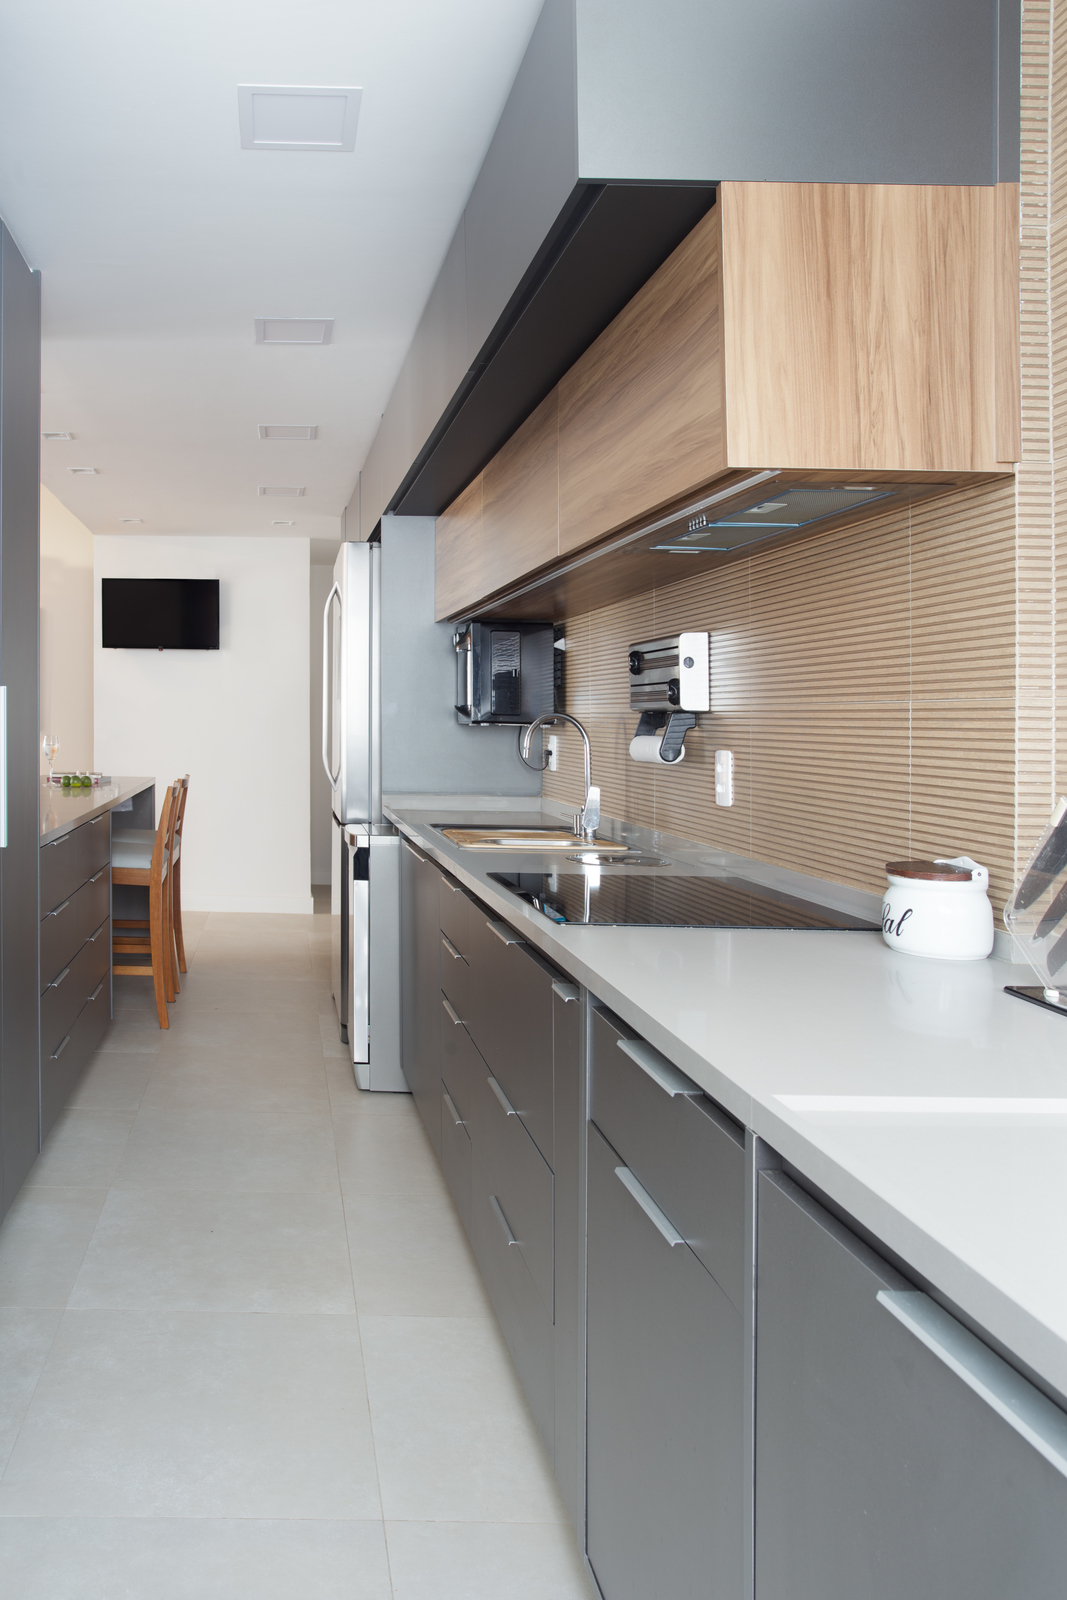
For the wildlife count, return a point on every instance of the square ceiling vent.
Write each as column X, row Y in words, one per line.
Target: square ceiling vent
column 294, row 330
column 295, row 117
column 281, row 493
column 288, row 430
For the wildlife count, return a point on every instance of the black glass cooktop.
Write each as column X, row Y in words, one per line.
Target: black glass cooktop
column 650, row 900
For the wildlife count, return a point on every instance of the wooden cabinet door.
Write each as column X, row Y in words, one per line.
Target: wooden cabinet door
column 640, row 413
column 506, row 523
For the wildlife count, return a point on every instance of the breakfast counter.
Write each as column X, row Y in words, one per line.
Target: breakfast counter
column 62, row 810
column 914, row 1094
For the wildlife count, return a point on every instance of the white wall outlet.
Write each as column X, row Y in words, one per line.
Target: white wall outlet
column 553, row 751
column 693, row 680
column 724, row 777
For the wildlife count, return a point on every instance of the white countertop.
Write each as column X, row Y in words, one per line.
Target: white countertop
column 946, row 1132
column 62, row 810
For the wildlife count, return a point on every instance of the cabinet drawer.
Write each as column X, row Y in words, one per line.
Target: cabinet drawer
column 71, row 988
column 519, row 1180
column 455, row 977
column 59, row 871
column 65, row 928
column 456, row 1156
column 456, row 908
column 61, row 1070
column 93, row 846
column 688, row 1154
column 510, row 1020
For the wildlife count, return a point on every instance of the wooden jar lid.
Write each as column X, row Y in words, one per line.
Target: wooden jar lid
column 932, row 871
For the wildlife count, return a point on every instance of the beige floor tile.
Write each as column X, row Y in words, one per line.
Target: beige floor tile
column 289, row 1152
column 286, row 1034
column 209, row 1558
column 410, row 1258
column 165, row 1248
column 200, row 1079
column 83, row 1149
column 255, row 924
column 387, row 1155
column 192, row 1414
column 43, row 1240
column 330, row 1035
column 486, row 1561
column 25, row 1339
column 114, row 1081
column 454, row 1438
column 347, row 1099
column 204, row 991
column 241, row 964
column 135, row 1032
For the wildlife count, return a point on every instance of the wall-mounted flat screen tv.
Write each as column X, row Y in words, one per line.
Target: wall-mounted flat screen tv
column 159, row 613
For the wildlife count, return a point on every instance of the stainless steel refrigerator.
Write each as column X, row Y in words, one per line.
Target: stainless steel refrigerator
column 365, row 874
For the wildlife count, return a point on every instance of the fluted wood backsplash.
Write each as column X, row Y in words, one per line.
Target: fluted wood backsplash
column 888, row 690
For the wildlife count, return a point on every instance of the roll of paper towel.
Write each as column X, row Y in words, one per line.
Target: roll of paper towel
column 646, row 748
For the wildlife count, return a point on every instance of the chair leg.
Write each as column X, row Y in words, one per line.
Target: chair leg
column 155, row 919
column 179, row 937
column 169, row 978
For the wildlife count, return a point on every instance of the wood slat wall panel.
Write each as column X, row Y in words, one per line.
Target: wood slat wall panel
column 898, row 688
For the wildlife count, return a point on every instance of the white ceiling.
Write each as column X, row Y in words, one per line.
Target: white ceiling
column 160, row 240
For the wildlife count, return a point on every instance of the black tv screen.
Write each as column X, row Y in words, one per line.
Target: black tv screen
column 159, row 613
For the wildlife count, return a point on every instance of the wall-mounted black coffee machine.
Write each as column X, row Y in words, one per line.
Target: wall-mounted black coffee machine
column 507, row 672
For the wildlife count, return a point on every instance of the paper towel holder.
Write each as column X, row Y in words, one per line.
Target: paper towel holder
column 668, row 683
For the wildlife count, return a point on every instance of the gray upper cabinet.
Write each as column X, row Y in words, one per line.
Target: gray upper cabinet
column 891, row 1459
column 20, row 423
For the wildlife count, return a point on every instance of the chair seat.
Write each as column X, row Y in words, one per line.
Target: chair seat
column 134, row 854
column 145, row 836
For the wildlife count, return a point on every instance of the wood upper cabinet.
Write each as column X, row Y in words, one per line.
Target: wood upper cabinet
column 506, row 523
column 816, row 333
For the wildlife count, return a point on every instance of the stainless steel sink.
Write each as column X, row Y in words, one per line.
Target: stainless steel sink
column 507, row 838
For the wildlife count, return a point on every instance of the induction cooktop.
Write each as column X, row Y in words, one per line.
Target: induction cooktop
column 650, row 900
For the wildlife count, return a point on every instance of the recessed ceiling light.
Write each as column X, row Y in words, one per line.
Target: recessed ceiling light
column 56, row 436
column 83, row 472
column 294, row 330
column 296, row 117
column 282, row 522
column 288, row 492
column 130, row 519
column 288, row 430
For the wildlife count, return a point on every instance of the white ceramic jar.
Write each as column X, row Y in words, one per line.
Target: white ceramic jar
column 938, row 908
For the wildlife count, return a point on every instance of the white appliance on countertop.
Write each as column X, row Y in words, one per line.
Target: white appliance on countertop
column 365, row 850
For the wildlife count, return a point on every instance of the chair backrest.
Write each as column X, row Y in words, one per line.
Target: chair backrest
column 184, row 782
column 168, row 814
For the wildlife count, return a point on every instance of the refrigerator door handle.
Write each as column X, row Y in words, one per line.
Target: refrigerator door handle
column 327, row 701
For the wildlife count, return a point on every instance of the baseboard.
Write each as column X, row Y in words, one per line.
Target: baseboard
column 297, row 905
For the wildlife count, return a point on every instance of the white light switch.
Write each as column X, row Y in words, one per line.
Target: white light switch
column 724, row 777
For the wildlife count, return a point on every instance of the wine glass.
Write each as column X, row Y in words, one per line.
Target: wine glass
column 50, row 746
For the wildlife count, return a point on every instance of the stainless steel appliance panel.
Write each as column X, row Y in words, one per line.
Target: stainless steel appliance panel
column 339, row 925
column 357, row 887
column 384, row 1070
column 352, row 692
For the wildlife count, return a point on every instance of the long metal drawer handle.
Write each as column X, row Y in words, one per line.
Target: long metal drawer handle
column 498, row 1212
column 566, row 991
column 457, row 1020
column 505, row 934
column 96, row 992
column 453, row 887
column 453, row 1113
column 93, row 937
column 58, row 909
column 55, row 983
column 52, row 843
column 60, row 1047
column 659, row 1221
column 96, row 878
column 509, row 1109
column 450, row 947
column 1024, row 1408
column 658, row 1068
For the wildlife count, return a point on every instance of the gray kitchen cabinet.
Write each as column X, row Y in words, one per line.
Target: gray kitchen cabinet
column 420, row 991
column 896, row 1454
column 665, row 1368
column 510, row 1008
column 568, row 1230
column 20, row 423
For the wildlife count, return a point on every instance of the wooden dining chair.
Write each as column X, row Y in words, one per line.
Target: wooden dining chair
column 176, row 878
column 133, row 863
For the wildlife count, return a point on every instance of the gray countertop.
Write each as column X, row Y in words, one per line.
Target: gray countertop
column 64, row 809
column 914, row 1093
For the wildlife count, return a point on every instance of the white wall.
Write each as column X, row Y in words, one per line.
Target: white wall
column 66, row 634
column 321, row 580
column 236, row 719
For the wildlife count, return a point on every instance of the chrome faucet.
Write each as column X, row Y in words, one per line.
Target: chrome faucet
column 586, row 821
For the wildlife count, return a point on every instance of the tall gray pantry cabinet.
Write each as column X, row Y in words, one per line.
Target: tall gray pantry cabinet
column 20, row 433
